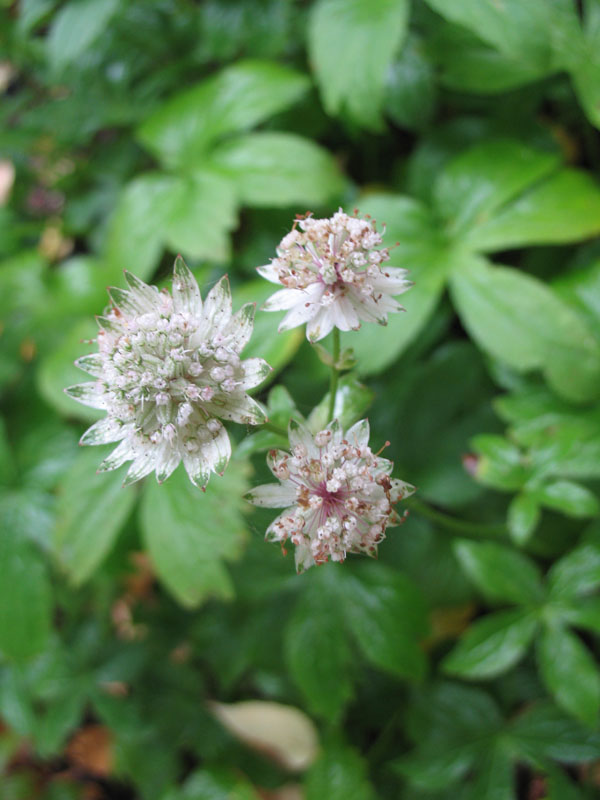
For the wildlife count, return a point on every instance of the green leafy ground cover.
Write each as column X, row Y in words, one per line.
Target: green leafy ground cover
column 463, row 663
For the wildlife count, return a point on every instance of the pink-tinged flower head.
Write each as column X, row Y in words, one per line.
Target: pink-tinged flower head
column 333, row 274
column 166, row 372
column 337, row 494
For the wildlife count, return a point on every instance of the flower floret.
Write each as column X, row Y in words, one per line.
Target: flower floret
column 337, row 494
column 167, row 371
column 334, row 276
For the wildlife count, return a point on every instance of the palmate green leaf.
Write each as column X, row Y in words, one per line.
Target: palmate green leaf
column 351, row 45
column 500, row 573
column 75, row 27
column 278, row 169
column 25, row 597
column 577, row 573
column 521, row 321
column 386, row 614
column 565, row 208
column 544, row 731
column 417, row 245
column 482, row 179
column 411, row 90
column 501, row 464
column 492, row 645
column 91, row 510
column 532, row 32
column 523, row 517
column 190, row 534
column 339, row 773
column 239, row 97
column 569, row 671
column 468, row 64
column 316, row 648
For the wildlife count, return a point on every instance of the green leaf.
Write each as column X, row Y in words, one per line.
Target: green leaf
column 569, row 671
column 492, row 645
column 75, row 27
column 239, row 97
column 189, row 533
column 521, row 321
column 523, row 517
column 386, row 614
column 577, row 573
column 484, row 178
column 352, row 400
column 495, row 778
column 351, row 45
column 199, row 211
column 500, row 574
column 415, row 244
column 58, row 370
column 529, row 32
column 25, row 597
column 582, row 612
column 469, row 65
column 316, row 648
column 278, row 169
column 134, row 239
column 501, row 464
column 544, row 731
column 570, row 498
column 338, row 774
column 91, row 510
column 411, row 86
column 564, row 208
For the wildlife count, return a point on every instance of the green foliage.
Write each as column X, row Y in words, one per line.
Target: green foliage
column 463, row 663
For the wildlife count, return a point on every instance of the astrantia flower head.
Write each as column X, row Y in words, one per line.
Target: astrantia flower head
column 167, row 371
column 333, row 274
column 337, row 494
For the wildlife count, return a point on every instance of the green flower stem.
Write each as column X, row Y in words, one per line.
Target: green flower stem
column 335, row 373
column 270, row 426
column 462, row 526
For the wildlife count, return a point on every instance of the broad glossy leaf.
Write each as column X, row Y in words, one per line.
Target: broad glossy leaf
column 351, row 45
column 545, row 731
column 500, row 573
column 91, row 510
column 278, row 169
column 479, row 181
column 570, row 672
column 75, row 27
column 339, row 773
column 239, row 97
column 492, row 645
column 569, row 498
column 523, row 517
column 415, row 244
column 500, row 463
column 199, row 211
column 495, row 779
column 387, row 617
column 565, row 208
column 411, row 88
column 520, row 320
column 58, row 370
column 316, row 648
column 25, row 596
column 190, row 534
column 576, row 573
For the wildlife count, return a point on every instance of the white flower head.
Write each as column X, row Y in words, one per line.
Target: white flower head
column 337, row 494
column 166, row 372
column 334, row 276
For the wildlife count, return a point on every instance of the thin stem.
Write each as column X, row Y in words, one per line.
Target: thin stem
column 270, row 426
column 335, row 373
column 463, row 526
